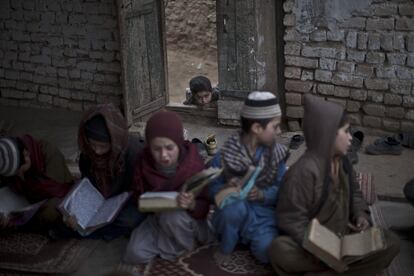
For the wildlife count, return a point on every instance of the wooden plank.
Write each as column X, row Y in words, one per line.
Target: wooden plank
column 143, row 56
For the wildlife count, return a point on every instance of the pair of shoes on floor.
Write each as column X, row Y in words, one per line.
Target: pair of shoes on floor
column 296, row 141
column 388, row 145
column 356, row 144
column 406, row 139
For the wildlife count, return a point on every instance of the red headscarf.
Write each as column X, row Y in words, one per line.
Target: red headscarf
column 104, row 168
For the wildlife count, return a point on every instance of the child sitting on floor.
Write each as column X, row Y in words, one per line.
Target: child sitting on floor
column 251, row 221
column 37, row 170
column 164, row 165
column 201, row 93
column 107, row 159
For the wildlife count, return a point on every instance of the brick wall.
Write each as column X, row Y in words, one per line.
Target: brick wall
column 361, row 58
column 60, row 53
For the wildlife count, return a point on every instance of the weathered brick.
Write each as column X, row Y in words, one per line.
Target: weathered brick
column 410, row 60
column 345, row 66
column 294, row 125
column 408, row 126
column 376, row 84
column 314, row 51
column 405, row 24
column 391, row 125
column 318, row 35
column 65, row 93
column 410, row 115
column 326, row 89
column 292, row 48
column 385, row 9
column 386, row 72
column 364, row 70
column 392, row 99
column 45, row 99
column 375, row 96
column 345, row 79
column 289, row 20
column 408, row 101
column 387, row 41
column 371, row 121
column 328, row 64
column 354, row 55
column 374, row 24
column 362, row 40
column 294, row 98
column 307, row 75
column 374, row 109
column 396, row 58
column 335, row 35
column 358, row 94
column 86, row 65
column 11, row 75
column 406, row 9
column 355, row 119
column 112, row 45
column 86, row 75
column 298, row 86
column 342, row 92
column 399, row 42
column 114, row 67
column 74, row 74
column 375, row 57
column 395, row 112
column 301, row 62
column 288, row 6
column 410, row 42
column 374, row 41
column 400, row 87
column 353, row 23
column 323, row 76
column 404, row 73
column 26, row 76
column 292, row 72
column 353, row 106
column 351, row 39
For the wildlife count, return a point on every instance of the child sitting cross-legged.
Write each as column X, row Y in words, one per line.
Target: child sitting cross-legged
column 251, row 220
column 164, row 165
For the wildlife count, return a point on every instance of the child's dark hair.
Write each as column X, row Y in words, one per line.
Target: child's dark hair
column 246, row 124
column 345, row 119
column 199, row 84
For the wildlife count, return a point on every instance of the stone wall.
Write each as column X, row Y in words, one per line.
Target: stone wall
column 191, row 26
column 62, row 53
column 359, row 54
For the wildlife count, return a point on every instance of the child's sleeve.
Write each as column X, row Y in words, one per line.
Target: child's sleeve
column 270, row 193
column 217, row 183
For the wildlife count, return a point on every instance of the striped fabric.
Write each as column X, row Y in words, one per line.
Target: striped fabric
column 9, row 157
column 367, row 187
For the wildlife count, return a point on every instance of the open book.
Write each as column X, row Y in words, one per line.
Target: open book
column 15, row 208
column 164, row 201
column 337, row 252
column 91, row 210
column 229, row 194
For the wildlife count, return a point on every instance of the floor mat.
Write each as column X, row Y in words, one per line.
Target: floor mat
column 204, row 261
column 34, row 253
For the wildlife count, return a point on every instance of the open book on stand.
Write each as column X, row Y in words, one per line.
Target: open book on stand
column 90, row 208
column 164, row 201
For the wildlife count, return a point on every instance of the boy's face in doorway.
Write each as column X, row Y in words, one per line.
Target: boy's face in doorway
column 202, row 97
column 267, row 136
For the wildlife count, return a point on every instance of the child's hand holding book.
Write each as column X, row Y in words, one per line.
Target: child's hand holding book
column 186, row 200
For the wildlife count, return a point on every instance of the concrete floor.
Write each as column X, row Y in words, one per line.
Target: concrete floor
column 60, row 127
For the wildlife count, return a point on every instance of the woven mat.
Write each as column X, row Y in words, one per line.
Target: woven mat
column 34, row 253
